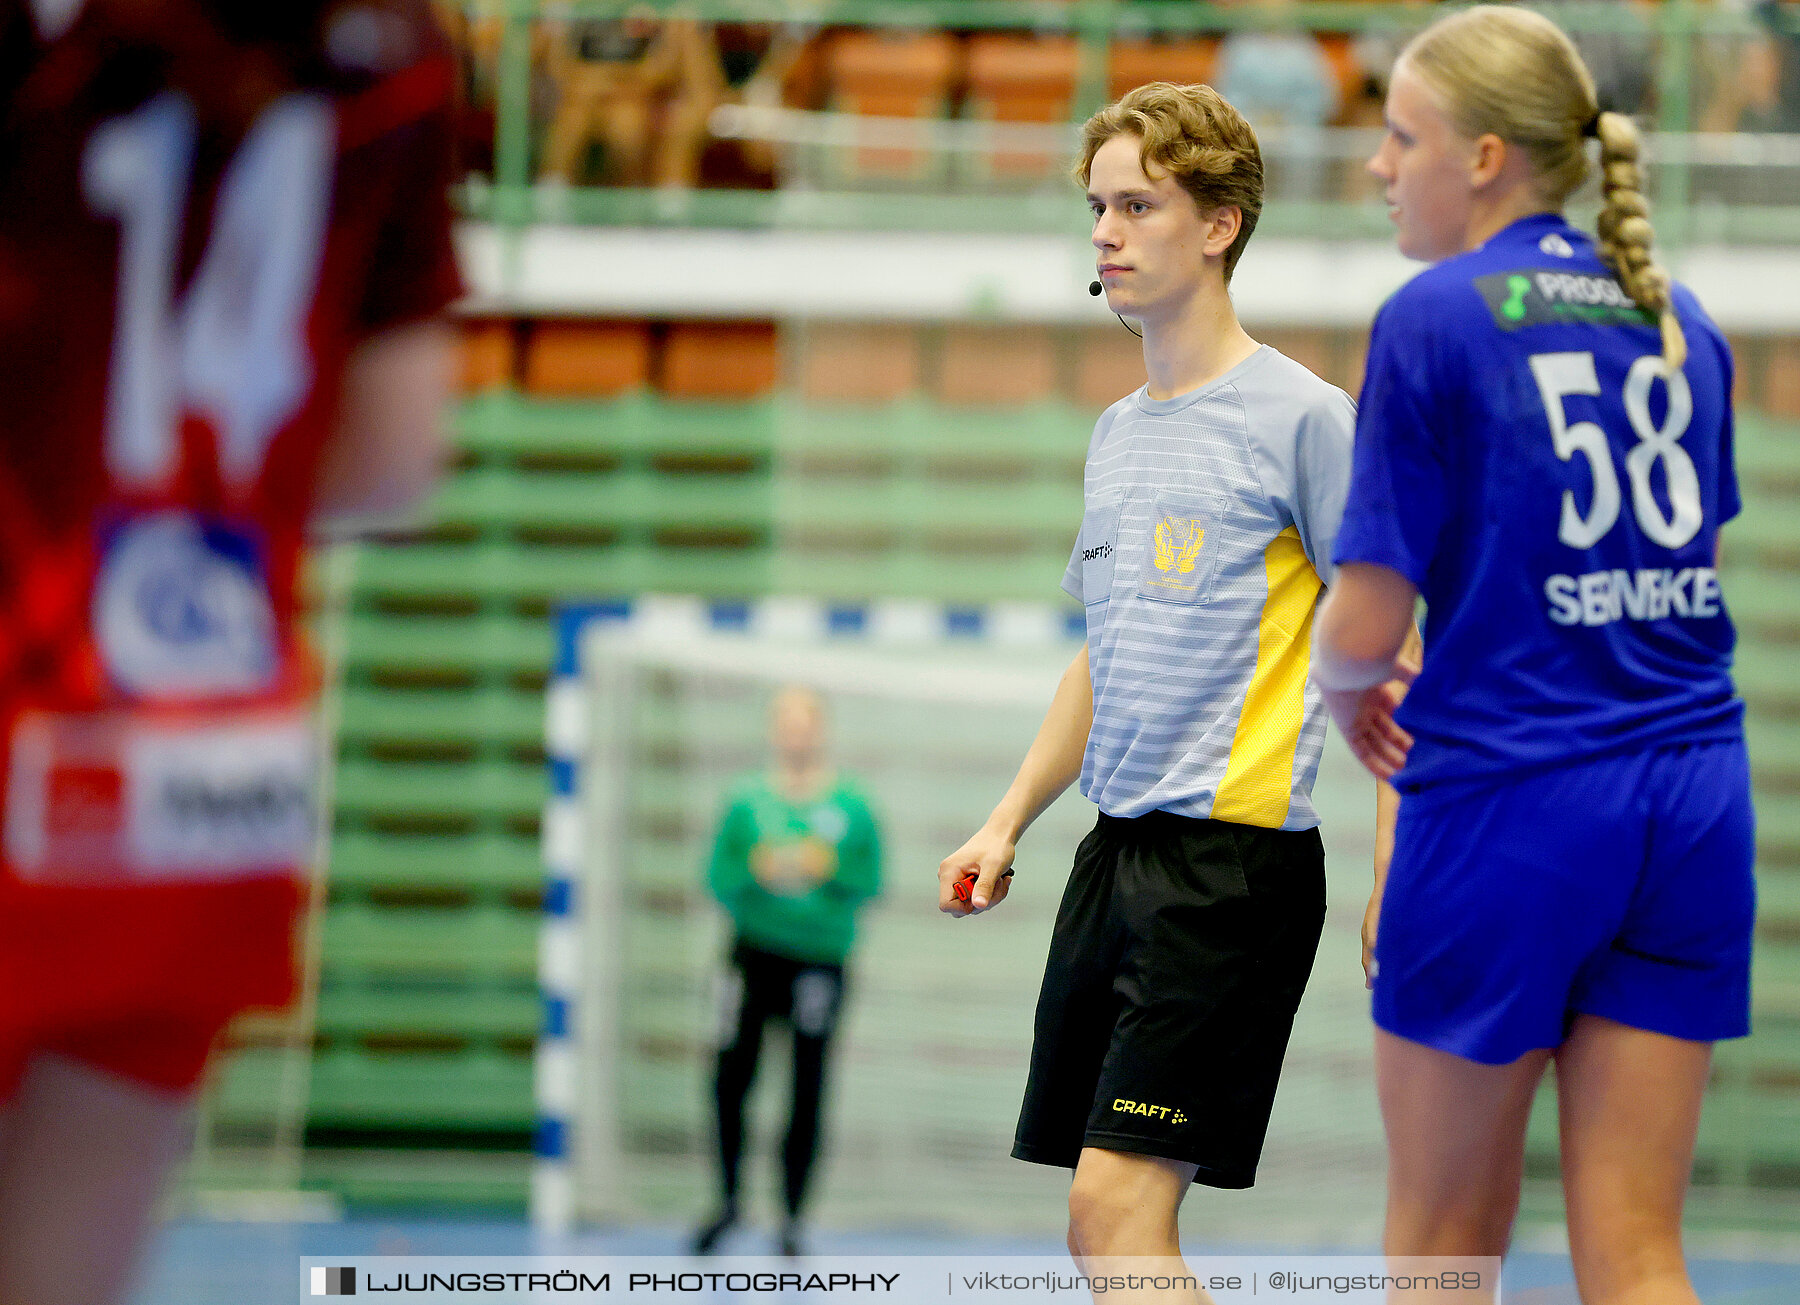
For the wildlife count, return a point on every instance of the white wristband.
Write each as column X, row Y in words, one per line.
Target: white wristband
column 1346, row 674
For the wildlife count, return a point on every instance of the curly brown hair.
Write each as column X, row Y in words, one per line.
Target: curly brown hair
column 1195, row 136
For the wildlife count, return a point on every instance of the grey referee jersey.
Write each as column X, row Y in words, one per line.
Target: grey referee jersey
column 1205, row 542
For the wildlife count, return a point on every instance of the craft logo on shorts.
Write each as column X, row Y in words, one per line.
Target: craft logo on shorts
column 1170, row 1114
column 333, row 1282
column 181, row 608
column 1542, row 297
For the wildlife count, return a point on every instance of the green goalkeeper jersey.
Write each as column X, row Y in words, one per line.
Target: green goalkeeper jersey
column 792, row 874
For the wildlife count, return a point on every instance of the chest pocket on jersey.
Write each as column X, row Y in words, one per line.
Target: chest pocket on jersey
column 1181, row 554
column 1099, row 551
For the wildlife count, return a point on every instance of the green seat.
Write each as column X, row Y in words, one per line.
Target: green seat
column 1774, row 743
column 905, row 571
column 1778, row 899
column 1764, row 601
column 1748, row 1134
column 485, row 862
column 487, row 716
column 1750, row 1122
column 457, row 571
column 506, row 425
column 1778, row 826
column 548, row 574
column 245, row 1085
column 914, row 505
column 627, row 501
column 1049, row 436
column 480, row 643
column 672, row 1090
column 1752, row 1117
column 1765, row 674
column 479, row 1089
column 420, row 789
column 481, row 942
column 1776, row 970
column 1768, row 453
column 1774, row 1042
column 1767, row 543
column 350, row 1011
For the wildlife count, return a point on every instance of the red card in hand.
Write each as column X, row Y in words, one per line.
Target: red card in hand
column 964, row 886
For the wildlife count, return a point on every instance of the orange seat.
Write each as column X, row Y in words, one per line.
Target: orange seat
column 485, row 34
column 1781, row 378
column 1131, row 64
column 488, row 354
column 1356, row 360
column 1747, row 370
column 1346, row 69
column 983, row 365
column 855, row 363
column 1109, row 364
column 567, row 359
column 1017, row 77
column 883, row 75
column 719, row 360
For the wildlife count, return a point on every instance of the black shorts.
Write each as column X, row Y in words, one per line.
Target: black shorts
column 1180, row 952
column 762, row 985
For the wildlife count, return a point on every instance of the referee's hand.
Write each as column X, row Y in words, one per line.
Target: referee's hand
column 989, row 858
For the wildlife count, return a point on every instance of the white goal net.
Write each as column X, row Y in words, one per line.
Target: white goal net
column 658, row 711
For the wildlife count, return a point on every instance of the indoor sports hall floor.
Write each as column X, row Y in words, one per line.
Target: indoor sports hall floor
column 1744, row 1245
column 228, row 1263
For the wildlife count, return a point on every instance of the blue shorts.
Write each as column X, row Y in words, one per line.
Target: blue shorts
column 1620, row 887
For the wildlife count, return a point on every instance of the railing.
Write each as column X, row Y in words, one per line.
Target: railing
column 1709, row 187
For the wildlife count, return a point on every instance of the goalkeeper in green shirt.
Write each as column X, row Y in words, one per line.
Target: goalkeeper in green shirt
column 797, row 855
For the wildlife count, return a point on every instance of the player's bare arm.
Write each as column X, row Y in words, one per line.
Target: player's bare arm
column 390, row 444
column 1052, row 763
column 1387, row 812
column 1364, row 627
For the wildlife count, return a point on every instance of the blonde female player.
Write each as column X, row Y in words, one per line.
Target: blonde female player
column 224, row 242
column 1543, row 450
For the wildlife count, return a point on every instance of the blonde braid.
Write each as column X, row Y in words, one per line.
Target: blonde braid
column 1625, row 233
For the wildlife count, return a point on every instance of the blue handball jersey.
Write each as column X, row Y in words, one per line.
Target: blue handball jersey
column 1521, row 458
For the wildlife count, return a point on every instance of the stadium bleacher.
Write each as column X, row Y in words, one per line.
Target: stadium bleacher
column 610, row 454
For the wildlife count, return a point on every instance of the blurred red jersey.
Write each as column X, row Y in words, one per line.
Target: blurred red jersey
column 201, row 217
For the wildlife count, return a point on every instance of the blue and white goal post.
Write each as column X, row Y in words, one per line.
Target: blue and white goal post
column 653, row 705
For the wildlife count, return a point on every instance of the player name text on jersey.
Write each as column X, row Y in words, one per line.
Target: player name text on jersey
column 1648, row 594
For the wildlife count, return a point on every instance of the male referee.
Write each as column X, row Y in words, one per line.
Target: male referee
column 1194, row 908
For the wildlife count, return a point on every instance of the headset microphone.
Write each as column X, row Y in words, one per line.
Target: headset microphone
column 1094, row 288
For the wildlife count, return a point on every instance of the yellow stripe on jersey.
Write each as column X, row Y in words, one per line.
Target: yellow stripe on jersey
column 1259, row 777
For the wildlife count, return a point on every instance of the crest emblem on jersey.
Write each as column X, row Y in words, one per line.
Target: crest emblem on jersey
column 1178, row 541
column 181, row 609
